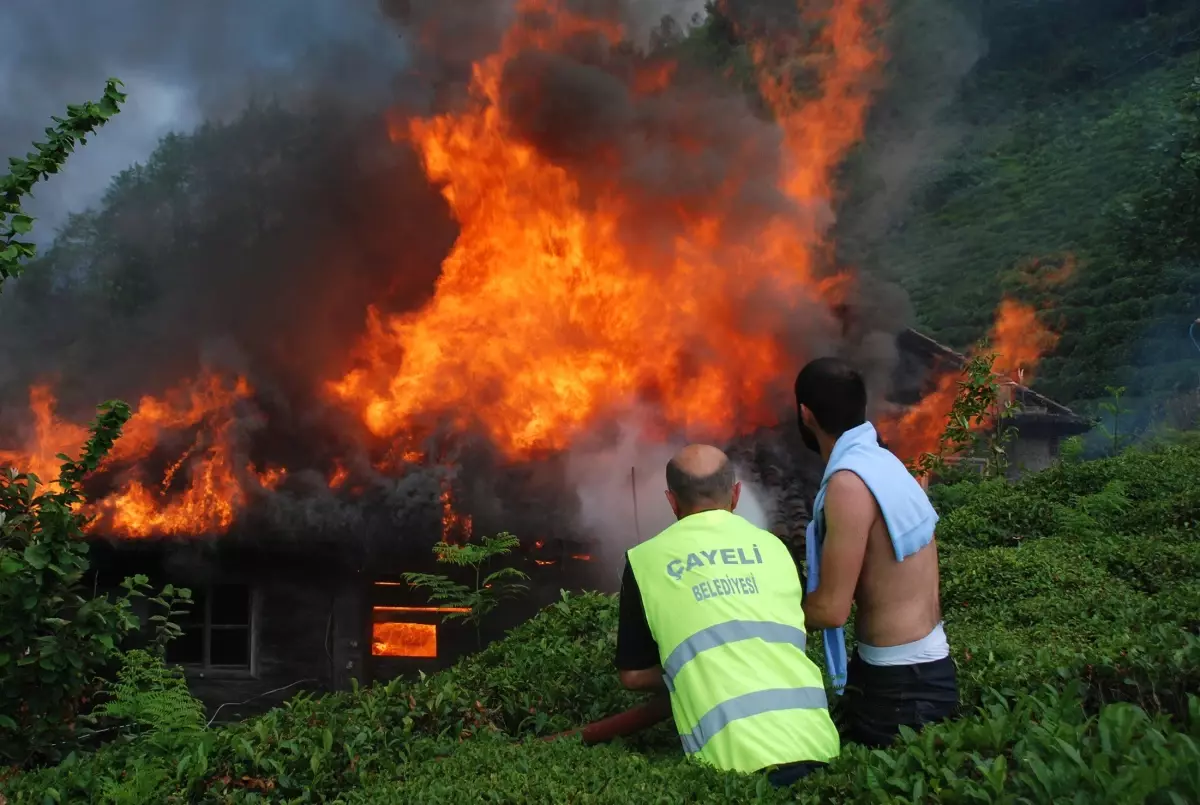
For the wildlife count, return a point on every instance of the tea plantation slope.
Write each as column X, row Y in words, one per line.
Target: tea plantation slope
column 1072, row 603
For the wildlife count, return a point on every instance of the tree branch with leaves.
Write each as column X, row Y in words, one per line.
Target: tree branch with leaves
column 977, row 410
column 475, row 601
column 46, row 159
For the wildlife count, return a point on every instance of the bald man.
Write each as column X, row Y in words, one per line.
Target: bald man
column 711, row 612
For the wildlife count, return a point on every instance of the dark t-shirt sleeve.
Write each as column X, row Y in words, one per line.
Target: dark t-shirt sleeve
column 636, row 649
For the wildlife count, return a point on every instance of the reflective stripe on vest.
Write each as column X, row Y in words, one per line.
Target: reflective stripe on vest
column 751, row 704
column 723, row 600
column 728, row 632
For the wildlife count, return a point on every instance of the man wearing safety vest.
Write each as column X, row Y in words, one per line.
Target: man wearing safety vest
column 711, row 611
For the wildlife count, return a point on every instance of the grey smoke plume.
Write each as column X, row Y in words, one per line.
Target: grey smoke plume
column 932, row 47
column 621, row 480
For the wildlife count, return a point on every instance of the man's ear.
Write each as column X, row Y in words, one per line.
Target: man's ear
column 806, row 416
column 737, row 492
column 674, row 503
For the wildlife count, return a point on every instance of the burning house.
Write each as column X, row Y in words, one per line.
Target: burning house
column 637, row 254
column 297, row 582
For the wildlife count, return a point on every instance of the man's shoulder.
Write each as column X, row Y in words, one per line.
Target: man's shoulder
column 646, row 551
column 848, row 484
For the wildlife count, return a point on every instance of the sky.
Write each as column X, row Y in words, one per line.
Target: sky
column 182, row 62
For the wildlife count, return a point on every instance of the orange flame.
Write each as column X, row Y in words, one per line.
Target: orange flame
column 456, row 528
column 1045, row 274
column 214, row 490
column 542, row 319
column 819, row 132
column 50, row 437
column 420, row 609
column 270, row 478
column 1019, row 341
column 199, row 492
column 339, row 475
column 404, row 640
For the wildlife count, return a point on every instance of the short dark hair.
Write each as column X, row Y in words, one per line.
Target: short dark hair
column 835, row 393
column 692, row 490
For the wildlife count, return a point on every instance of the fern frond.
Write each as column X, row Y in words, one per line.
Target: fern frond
column 506, row 573
column 440, row 589
column 150, row 694
column 461, row 555
column 500, row 543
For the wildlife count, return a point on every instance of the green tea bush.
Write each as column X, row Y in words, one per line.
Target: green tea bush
column 1076, row 646
column 1139, row 492
column 1042, row 748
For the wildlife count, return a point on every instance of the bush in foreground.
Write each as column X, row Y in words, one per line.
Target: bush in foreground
column 1072, row 606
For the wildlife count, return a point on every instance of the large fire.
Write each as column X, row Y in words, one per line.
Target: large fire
column 544, row 318
column 547, row 315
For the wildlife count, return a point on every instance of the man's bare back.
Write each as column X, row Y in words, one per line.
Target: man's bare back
column 901, row 673
column 897, row 602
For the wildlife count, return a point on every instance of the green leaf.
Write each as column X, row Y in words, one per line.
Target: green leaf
column 37, row 556
column 21, row 224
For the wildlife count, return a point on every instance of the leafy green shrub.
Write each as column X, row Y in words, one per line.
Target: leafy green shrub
column 1138, row 492
column 977, row 417
column 1077, row 645
column 1006, row 581
column 1042, row 748
column 992, row 513
column 55, row 640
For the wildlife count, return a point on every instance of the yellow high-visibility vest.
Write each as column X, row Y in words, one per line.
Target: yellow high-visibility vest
column 723, row 601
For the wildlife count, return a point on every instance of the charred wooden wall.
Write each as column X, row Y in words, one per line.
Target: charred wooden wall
column 312, row 615
column 306, row 627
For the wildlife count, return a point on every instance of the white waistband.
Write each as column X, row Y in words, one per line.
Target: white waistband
column 929, row 648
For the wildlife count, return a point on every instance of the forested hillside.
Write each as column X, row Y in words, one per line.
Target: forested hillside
column 1071, row 183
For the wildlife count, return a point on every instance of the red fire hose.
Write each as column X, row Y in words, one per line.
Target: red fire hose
column 633, row 720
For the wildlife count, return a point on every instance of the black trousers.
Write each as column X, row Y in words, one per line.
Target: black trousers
column 783, row 776
column 879, row 699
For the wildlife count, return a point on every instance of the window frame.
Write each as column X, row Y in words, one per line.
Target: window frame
column 206, row 667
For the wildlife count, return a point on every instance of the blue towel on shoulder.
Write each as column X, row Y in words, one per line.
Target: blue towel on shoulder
column 906, row 509
column 835, row 639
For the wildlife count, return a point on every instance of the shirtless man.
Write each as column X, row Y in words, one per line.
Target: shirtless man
column 902, row 672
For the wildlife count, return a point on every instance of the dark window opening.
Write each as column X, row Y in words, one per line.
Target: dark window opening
column 217, row 629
